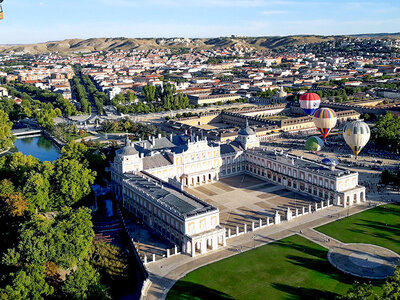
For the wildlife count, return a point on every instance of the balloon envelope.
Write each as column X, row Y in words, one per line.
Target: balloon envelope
column 325, row 119
column 314, row 143
column 330, row 161
column 356, row 134
column 309, row 102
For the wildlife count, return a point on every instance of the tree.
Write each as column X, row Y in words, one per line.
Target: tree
column 74, row 150
column 387, row 132
column 131, row 97
column 28, row 283
column 64, row 239
column 6, row 138
column 391, row 289
column 12, row 204
column 72, row 236
column 149, row 92
column 386, row 177
column 118, row 99
column 37, row 190
column 82, row 283
column 71, row 182
column 17, row 166
column 358, row 291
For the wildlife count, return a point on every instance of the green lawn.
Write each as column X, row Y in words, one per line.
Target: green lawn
column 293, row 268
column 379, row 226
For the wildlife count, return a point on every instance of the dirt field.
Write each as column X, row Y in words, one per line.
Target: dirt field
column 244, row 199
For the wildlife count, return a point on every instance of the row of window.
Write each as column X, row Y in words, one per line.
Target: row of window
column 144, row 203
column 293, row 172
column 290, row 183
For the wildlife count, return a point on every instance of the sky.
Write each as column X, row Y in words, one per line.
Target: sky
column 32, row 21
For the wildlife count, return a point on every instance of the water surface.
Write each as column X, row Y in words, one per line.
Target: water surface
column 39, row 147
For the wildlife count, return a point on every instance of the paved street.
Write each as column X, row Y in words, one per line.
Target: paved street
column 164, row 273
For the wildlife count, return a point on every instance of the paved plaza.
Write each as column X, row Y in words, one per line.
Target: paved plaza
column 364, row 260
column 245, row 199
column 360, row 260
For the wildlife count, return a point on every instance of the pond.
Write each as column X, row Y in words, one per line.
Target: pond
column 39, row 146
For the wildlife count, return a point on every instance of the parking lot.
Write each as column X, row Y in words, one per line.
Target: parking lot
column 246, row 199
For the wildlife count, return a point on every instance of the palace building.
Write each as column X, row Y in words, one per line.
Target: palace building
column 149, row 178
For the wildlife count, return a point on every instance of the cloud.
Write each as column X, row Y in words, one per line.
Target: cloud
column 43, row 4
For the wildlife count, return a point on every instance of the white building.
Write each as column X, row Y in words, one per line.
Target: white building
column 149, row 177
column 183, row 219
column 3, row 92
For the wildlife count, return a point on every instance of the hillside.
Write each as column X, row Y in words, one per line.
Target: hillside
column 99, row 44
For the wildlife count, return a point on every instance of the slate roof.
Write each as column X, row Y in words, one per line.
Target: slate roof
column 177, row 145
column 246, row 131
column 156, row 161
column 231, row 148
column 128, row 150
column 179, row 203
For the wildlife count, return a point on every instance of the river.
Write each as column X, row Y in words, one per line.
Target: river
column 39, row 147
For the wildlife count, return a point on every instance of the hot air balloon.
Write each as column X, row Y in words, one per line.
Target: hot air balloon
column 330, row 161
column 314, row 143
column 1, row 11
column 356, row 134
column 309, row 102
column 325, row 119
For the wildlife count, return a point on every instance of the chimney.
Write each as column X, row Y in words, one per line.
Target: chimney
column 154, row 140
column 170, row 137
column 159, row 135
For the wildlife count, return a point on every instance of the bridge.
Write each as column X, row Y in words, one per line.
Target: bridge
column 21, row 132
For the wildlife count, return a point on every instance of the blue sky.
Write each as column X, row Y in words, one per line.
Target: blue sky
column 28, row 21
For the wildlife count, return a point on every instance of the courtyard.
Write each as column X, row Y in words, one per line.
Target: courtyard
column 244, row 199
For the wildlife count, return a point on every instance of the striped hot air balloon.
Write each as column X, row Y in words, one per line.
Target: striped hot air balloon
column 309, row 102
column 325, row 119
column 356, row 134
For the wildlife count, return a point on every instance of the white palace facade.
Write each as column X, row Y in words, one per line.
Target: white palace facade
column 149, row 179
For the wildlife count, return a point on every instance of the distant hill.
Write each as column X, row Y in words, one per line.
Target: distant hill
column 378, row 35
column 99, row 44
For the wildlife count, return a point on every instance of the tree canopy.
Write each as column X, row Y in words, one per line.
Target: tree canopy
column 6, row 138
column 387, row 132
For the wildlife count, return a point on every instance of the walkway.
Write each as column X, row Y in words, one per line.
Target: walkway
column 164, row 273
column 360, row 260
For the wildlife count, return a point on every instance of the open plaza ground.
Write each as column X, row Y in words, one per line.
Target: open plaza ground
column 244, row 199
column 294, row 267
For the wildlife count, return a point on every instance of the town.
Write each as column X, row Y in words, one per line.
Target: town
column 195, row 159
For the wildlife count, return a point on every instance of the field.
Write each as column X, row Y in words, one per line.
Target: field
column 293, row 268
column 379, row 226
